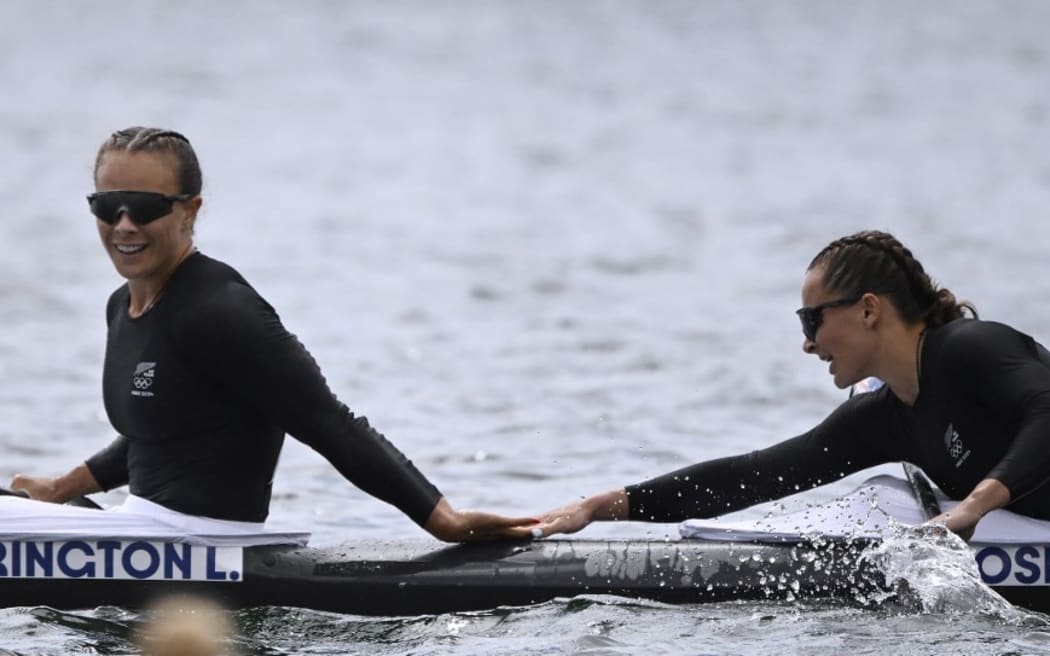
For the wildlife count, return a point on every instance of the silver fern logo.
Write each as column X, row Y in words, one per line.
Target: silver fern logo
column 954, row 444
column 142, row 380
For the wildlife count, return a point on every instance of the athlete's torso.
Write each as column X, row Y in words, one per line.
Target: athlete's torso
column 203, row 388
column 969, row 413
column 194, row 446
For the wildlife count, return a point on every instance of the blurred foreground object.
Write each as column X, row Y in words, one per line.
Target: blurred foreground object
column 183, row 625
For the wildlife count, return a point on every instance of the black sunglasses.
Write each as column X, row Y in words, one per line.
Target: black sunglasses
column 813, row 317
column 141, row 206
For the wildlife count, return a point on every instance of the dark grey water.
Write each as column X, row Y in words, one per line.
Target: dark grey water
column 548, row 248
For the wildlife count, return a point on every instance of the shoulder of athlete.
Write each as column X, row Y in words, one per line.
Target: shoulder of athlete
column 117, row 300
column 964, row 344
column 863, row 410
column 212, row 297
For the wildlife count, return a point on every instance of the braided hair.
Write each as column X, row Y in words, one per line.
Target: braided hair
column 139, row 139
column 874, row 261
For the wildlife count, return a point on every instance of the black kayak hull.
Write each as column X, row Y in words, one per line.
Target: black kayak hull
column 399, row 578
column 378, row 578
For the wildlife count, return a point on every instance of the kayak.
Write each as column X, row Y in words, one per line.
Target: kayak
column 715, row 561
column 399, row 578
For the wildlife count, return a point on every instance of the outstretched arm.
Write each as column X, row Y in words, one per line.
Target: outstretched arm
column 244, row 347
column 715, row 487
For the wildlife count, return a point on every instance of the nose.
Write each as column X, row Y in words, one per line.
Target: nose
column 124, row 222
column 809, row 346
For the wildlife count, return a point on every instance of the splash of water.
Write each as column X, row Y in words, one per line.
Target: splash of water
column 933, row 570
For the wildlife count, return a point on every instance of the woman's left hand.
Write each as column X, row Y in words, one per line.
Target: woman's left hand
column 450, row 525
column 988, row 495
column 963, row 523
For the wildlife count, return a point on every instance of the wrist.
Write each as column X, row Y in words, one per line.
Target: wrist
column 77, row 482
column 608, row 506
column 444, row 522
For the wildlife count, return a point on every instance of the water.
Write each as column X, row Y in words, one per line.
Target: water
column 547, row 248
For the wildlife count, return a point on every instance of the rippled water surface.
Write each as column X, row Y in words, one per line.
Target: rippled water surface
column 547, row 248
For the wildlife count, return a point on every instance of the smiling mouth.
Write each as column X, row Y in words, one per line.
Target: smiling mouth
column 830, row 361
column 129, row 249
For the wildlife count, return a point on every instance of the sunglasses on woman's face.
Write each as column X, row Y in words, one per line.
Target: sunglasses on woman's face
column 142, row 206
column 812, row 317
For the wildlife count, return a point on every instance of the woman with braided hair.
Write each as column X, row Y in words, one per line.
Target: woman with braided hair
column 201, row 379
column 966, row 400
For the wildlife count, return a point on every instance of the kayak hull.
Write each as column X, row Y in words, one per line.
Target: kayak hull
column 398, row 578
column 404, row 578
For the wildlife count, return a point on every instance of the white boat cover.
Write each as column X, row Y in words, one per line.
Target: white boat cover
column 136, row 519
column 872, row 510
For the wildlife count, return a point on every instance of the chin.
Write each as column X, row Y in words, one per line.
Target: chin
column 846, row 382
column 124, row 271
column 129, row 272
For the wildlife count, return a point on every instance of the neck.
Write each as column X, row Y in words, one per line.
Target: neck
column 903, row 364
column 144, row 293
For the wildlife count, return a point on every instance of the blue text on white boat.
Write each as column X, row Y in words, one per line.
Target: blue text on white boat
column 1021, row 565
column 137, row 560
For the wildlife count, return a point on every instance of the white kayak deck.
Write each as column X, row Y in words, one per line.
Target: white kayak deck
column 136, row 519
column 877, row 507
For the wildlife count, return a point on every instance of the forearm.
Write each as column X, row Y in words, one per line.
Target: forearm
column 715, row 487
column 369, row 461
column 723, row 485
column 987, row 496
column 608, row 506
column 76, row 483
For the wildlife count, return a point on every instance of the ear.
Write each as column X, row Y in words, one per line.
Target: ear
column 872, row 305
column 194, row 206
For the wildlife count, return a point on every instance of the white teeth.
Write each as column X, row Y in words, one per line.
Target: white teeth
column 129, row 249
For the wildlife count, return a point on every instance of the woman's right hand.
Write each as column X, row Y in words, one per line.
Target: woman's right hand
column 41, row 488
column 60, row 489
column 577, row 515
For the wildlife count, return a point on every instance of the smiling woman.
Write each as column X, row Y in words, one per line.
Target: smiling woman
column 149, row 185
column 201, row 379
column 966, row 400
